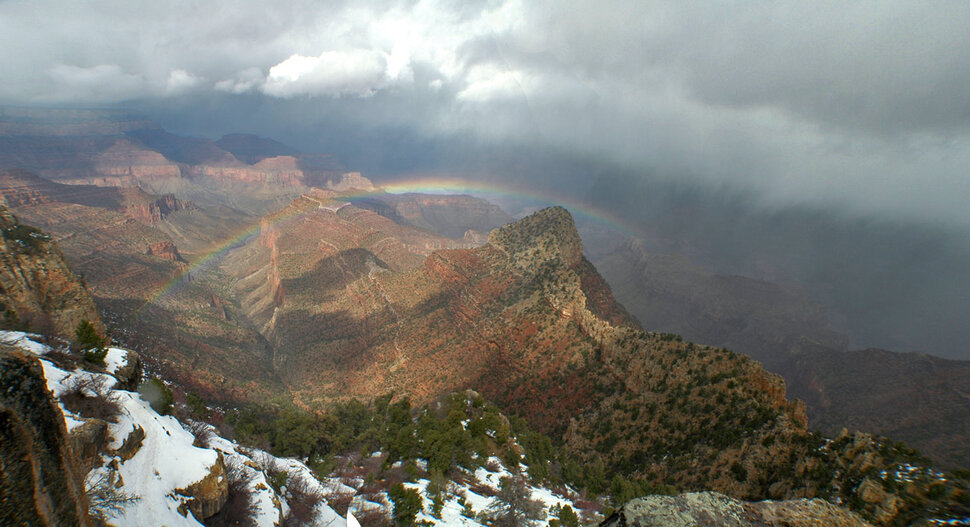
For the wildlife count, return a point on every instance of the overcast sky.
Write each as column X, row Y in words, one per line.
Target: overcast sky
column 865, row 104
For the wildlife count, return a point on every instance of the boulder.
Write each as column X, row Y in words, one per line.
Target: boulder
column 88, row 441
column 871, row 491
column 710, row 509
column 131, row 444
column 209, row 494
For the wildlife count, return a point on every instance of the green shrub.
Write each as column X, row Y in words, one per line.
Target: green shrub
column 96, row 355
column 277, row 480
column 12, row 321
column 407, row 505
column 90, row 343
column 567, row 517
column 27, row 238
column 196, row 405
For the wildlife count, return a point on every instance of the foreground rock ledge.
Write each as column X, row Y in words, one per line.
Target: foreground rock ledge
column 703, row 509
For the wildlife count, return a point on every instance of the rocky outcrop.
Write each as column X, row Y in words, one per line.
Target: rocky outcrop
column 537, row 238
column 513, row 319
column 156, row 210
column 37, row 289
column 710, row 509
column 166, row 250
column 125, row 159
column 131, row 444
column 350, row 181
column 39, row 481
column 209, row 494
column 526, row 321
column 129, row 375
column 88, row 441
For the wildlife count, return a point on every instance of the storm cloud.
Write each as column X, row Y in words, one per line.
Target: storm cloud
column 865, row 104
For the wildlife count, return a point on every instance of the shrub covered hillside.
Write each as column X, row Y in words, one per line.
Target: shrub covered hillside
column 461, row 452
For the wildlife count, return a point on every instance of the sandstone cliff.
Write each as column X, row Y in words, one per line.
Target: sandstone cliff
column 37, row 289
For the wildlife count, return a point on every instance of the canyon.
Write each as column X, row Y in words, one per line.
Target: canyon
column 245, row 271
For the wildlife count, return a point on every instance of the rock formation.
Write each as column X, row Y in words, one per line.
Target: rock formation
column 37, row 289
column 166, row 250
column 155, row 210
column 209, row 494
column 39, row 481
column 912, row 397
column 710, row 509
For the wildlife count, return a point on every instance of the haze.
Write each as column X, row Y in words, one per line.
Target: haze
column 832, row 138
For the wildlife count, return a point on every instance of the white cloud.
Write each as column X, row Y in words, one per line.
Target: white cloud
column 490, row 82
column 357, row 72
column 180, row 81
column 244, row 81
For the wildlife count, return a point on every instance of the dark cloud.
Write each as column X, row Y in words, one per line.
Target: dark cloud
column 867, row 103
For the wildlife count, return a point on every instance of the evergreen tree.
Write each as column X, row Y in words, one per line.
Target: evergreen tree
column 407, row 505
column 90, row 343
column 513, row 506
column 568, row 517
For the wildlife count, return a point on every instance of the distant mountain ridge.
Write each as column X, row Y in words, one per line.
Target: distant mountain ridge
column 912, row 397
column 107, row 148
column 252, row 149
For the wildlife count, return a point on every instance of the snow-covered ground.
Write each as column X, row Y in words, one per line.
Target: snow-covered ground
column 167, row 461
column 452, row 512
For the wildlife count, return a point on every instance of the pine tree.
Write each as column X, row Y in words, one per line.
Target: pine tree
column 407, row 504
column 89, row 342
column 513, row 506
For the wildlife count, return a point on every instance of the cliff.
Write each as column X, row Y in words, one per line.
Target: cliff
column 37, row 289
column 40, row 484
column 155, row 209
column 526, row 321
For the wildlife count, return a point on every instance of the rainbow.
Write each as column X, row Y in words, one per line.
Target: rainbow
column 419, row 185
column 444, row 185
